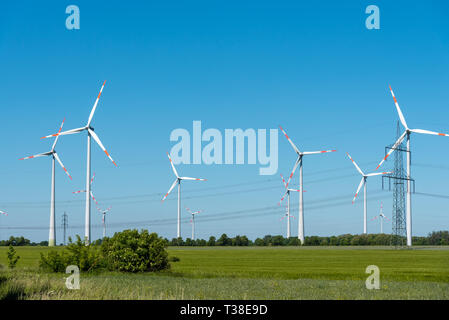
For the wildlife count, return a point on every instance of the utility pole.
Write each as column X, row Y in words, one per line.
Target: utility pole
column 65, row 223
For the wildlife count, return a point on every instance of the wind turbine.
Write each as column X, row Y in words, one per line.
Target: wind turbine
column 287, row 193
column 299, row 161
column 381, row 217
column 407, row 133
column 103, row 212
column 192, row 221
column 91, row 192
column 54, row 155
column 178, row 182
column 363, row 181
column 90, row 133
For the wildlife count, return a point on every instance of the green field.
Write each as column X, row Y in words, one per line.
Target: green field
column 249, row 273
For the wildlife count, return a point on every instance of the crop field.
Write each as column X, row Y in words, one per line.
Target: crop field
column 247, row 273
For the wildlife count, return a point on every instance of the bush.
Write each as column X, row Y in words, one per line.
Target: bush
column 87, row 258
column 174, row 259
column 12, row 257
column 131, row 251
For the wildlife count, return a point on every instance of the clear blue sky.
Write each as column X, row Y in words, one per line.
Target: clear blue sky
column 312, row 67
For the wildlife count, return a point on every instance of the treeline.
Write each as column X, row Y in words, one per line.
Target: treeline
column 433, row 239
column 21, row 241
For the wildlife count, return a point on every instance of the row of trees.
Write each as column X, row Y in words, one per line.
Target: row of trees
column 21, row 241
column 435, row 238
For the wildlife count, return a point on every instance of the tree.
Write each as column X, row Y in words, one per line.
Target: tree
column 211, row 241
column 12, row 257
column 224, row 240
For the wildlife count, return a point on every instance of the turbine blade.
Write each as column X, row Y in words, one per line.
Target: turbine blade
column 283, row 197
column 57, row 137
column 72, row 131
column 298, row 161
column 92, row 179
column 171, row 188
column 93, row 198
column 401, row 116
column 355, row 164
column 97, row 140
column 188, row 178
column 290, row 140
column 398, row 142
column 79, row 191
column 283, row 180
column 3, row 213
column 429, row 132
column 377, row 173
column 95, row 105
column 37, row 155
column 62, row 166
column 317, row 152
column 172, row 165
column 358, row 189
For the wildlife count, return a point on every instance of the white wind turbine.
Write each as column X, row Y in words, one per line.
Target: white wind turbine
column 91, row 192
column 287, row 193
column 301, row 198
column 363, row 181
column 90, row 133
column 192, row 221
column 407, row 133
column 381, row 217
column 103, row 212
column 54, row 155
column 178, row 182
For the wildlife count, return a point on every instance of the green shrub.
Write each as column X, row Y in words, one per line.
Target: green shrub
column 174, row 259
column 12, row 257
column 86, row 257
column 131, row 251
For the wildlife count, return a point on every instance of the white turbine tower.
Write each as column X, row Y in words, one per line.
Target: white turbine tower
column 192, row 221
column 301, row 198
column 103, row 212
column 54, row 155
column 4, row 213
column 287, row 193
column 178, row 182
column 288, row 216
column 90, row 133
column 407, row 133
column 363, row 181
column 381, row 217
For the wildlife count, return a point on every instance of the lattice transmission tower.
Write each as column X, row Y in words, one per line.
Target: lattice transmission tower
column 65, row 224
column 399, row 180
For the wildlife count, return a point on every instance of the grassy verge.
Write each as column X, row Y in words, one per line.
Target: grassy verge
column 247, row 273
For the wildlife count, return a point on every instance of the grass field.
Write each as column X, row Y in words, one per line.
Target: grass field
column 249, row 273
